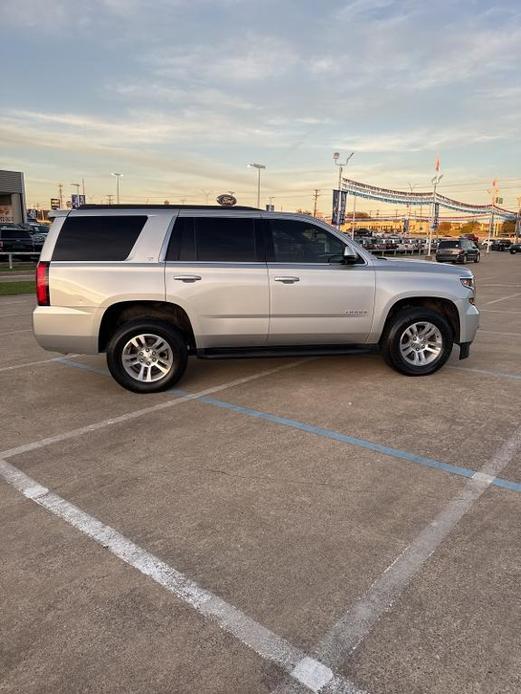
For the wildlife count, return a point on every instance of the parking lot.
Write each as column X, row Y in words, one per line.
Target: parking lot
column 278, row 525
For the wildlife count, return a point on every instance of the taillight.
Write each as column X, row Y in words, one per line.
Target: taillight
column 42, row 284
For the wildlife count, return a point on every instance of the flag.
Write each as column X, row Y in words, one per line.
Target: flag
column 437, row 164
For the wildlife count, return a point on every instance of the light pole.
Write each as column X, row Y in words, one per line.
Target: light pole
column 435, row 181
column 341, row 164
column 493, row 193
column 518, row 220
column 259, row 167
column 118, row 176
column 411, row 188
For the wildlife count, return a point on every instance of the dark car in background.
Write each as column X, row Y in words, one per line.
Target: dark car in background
column 501, row 245
column 15, row 239
column 457, row 251
column 515, row 248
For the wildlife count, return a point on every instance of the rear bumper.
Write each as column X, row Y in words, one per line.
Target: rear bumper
column 61, row 329
column 448, row 258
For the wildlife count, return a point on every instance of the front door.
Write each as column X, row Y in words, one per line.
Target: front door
column 315, row 298
column 216, row 271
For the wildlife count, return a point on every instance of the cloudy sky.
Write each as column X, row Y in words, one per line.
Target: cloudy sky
column 180, row 95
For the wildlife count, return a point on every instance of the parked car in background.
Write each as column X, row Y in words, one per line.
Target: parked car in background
column 515, row 248
column 471, row 237
column 15, row 239
column 457, row 251
column 500, row 245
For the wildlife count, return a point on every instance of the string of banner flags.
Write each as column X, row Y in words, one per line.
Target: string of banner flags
column 410, row 198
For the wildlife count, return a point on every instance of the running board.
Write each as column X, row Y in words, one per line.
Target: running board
column 283, row 351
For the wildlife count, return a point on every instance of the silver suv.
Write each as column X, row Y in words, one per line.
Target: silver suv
column 152, row 285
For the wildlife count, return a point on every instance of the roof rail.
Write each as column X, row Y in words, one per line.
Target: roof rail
column 165, row 207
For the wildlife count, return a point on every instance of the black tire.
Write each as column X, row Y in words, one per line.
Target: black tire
column 171, row 335
column 513, row 252
column 477, row 258
column 390, row 343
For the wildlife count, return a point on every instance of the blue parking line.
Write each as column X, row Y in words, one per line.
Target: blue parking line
column 361, row 443
column 79, row 365
column 325, row 433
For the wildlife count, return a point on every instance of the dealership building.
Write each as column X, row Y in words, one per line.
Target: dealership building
column 12, row 197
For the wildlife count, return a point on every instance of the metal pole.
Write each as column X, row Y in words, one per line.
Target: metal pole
column 258, row 186
column 518, row 220
column 491, row 223
column 354, row 218
column 429, row 242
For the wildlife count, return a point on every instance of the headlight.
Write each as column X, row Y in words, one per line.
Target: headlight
column 467, row 282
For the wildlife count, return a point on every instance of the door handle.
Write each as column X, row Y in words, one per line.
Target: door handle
column 187, row 278
column 287, row 280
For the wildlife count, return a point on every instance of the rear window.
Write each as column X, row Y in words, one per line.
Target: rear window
column 98, row 238
column 449, row 244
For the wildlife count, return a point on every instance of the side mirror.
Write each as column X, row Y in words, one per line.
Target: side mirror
column 350, row 256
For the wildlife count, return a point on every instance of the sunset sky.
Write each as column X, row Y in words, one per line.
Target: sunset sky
column 180, row 95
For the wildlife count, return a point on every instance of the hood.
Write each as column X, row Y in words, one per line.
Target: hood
column 425, row 266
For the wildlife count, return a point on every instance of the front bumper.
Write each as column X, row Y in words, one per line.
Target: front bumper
column 469, row 323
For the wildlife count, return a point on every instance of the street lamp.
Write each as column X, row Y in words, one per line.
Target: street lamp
column 341, row 164
column 435, row 181
column 118, row 176
column 253, row 165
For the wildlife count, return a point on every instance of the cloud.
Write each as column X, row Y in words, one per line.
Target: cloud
column 247, row 58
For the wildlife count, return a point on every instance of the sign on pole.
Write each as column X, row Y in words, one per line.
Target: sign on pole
column 55, row 203
column 77, row 200
column 338, row 216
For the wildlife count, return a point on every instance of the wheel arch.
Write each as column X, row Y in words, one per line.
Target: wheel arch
column 446, row 307
column 123, row 311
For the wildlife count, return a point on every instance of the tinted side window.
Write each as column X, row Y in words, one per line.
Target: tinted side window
column 303, row 242
column 213, row 239
column 98, row 238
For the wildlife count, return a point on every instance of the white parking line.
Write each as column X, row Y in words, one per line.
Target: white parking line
column 34, row 363
column 487, row 372
column 498, row 285
column 13, row 332
column 504, row 298
column 497, row 310
column 143, row 411
column 9, row 303
column 308, row 671
column 496, row 332
column 15, row 315
column 354, row 626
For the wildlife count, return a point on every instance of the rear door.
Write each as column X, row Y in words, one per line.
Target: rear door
column 315, row 297
column 216, row 270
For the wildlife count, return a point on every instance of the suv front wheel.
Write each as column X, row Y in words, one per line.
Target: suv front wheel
column 417, row 342
column 147, row 356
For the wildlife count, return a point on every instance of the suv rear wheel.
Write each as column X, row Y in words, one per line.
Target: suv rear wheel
column 418, row 342
column 147, row 356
